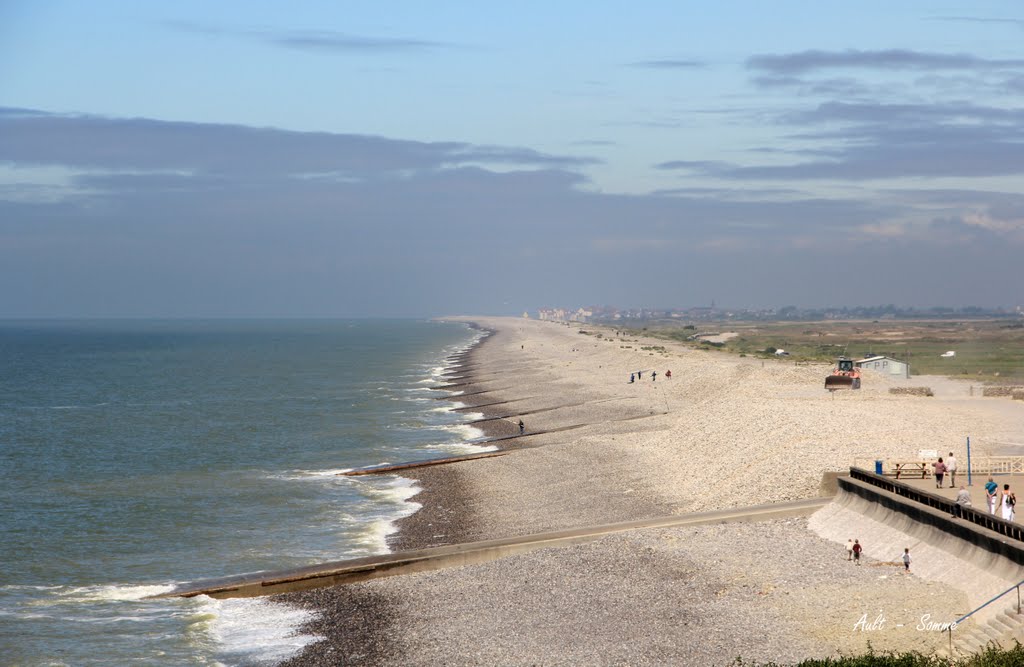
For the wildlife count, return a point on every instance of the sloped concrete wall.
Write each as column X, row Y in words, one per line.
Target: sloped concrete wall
column 977, row 561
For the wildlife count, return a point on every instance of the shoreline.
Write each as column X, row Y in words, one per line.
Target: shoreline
column 444, row 495
column 355, row 624
column 635, row 451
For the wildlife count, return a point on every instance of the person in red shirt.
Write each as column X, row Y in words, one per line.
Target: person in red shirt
column 940, row 472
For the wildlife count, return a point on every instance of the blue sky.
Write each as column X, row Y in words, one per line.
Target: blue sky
column 360, row 159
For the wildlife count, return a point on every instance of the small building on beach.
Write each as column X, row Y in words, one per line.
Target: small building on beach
column 886, row 365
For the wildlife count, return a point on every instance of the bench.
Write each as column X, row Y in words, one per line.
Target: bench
column 912, row 469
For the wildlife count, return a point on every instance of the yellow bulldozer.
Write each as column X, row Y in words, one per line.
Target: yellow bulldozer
column 844, row 376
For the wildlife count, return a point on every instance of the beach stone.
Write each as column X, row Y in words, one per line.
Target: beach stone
column 723, row 432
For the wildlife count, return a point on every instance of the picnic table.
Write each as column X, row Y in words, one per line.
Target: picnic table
column 912, row 468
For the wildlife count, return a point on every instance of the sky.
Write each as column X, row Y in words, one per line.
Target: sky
column 416, row 159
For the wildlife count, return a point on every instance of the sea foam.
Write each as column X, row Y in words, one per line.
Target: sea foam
column 253, row 631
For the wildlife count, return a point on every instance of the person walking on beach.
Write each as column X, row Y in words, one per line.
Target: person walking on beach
column 857, row 548
column 906, row 560
column 522, row 427
column 654, row 376
column 991, row 493
column 940, row 472
column 849, row 549
column 631, row 378
column 951, row 469
column 1009, row 501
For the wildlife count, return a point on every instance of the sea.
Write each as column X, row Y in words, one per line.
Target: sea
column 138, row 455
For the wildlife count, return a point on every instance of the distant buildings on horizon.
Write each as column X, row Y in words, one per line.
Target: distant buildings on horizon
column 717, row 314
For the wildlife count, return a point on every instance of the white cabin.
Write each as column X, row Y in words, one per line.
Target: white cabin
column 886, row 365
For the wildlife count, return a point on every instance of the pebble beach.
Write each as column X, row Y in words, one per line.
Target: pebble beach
column 722, row 432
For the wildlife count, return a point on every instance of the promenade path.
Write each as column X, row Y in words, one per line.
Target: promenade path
column 976, row 488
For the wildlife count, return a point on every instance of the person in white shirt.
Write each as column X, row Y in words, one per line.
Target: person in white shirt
column 951, row 469
column 1009, row 500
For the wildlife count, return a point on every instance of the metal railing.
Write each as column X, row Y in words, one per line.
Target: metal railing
column 983, row 519
column 977, row 517
column 955, row 624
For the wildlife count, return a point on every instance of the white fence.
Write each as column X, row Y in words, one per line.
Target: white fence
column 997, row 465
column 980, row 465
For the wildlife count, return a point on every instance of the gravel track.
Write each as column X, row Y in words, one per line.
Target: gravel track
column 687, row 596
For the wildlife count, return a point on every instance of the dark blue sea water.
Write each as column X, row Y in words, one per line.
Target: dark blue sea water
column 135, row 455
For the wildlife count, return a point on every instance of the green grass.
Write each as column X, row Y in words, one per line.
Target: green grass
column 987, row 351
column 991, row 657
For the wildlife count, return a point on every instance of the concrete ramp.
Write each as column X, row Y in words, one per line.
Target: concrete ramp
column 979, row 562
column 424, row 560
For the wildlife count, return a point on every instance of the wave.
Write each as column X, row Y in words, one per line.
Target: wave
column 252, row 631
column 466, row 431
column 102, row 604
column 460, row 448
column 366, row 516
column 88, row 406
column 105, row 593
column 392, row 494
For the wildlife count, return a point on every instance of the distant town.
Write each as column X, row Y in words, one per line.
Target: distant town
column 786, row 313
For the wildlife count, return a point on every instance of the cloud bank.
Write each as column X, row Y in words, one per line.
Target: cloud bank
column 140, row 217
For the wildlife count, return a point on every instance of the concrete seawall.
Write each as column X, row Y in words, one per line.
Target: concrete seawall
column 980, row 562
column 997, row 552
column 408, row 562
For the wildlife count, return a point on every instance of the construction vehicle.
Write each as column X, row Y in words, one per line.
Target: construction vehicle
column 844, row 376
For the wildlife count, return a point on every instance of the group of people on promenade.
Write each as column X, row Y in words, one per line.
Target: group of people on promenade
column 942, row 467
column 1004, row 500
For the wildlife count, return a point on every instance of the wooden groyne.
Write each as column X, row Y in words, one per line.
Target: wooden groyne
column 396, row 467
column 468, row 393
column 471, row 408
column 537, row 411
column 469, row 553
